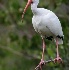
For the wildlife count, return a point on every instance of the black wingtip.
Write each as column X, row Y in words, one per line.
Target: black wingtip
column 49, row 38
column 61, row 37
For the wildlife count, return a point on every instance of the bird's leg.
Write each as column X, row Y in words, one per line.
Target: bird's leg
column 42, row 60
column 57, row 59
column 43, row 50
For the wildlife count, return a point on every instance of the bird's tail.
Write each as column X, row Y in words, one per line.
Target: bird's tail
column 60, row 41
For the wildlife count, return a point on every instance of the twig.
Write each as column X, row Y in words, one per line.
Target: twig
column 37, row 68
column 25, row 54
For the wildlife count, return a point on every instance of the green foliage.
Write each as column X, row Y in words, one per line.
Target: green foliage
column 20, row 45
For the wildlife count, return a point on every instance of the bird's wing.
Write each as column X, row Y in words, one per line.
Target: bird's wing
column 52, row 22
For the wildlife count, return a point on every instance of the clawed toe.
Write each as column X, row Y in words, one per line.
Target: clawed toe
column 42, row 62
column 58, row 60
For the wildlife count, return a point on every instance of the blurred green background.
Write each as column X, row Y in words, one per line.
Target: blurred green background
column 20, row 45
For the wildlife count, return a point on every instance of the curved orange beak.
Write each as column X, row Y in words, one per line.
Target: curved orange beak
column 27, row 5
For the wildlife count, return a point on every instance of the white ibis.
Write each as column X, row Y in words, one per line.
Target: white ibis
column 47, row 24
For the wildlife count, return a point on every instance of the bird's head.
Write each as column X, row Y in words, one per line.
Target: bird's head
column 28, row 4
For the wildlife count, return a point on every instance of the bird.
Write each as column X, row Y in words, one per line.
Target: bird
column 47, row 24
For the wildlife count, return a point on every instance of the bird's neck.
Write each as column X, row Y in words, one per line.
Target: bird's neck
column 34, row 8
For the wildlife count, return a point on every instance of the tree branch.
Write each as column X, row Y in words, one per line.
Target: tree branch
column 38, row 67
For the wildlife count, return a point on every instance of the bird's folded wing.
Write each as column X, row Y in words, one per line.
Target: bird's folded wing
column 52, row 22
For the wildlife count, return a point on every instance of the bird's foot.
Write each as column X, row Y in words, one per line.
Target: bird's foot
column 58, row 60
column 42, row 62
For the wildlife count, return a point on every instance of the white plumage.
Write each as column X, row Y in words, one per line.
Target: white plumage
column 46, row 23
